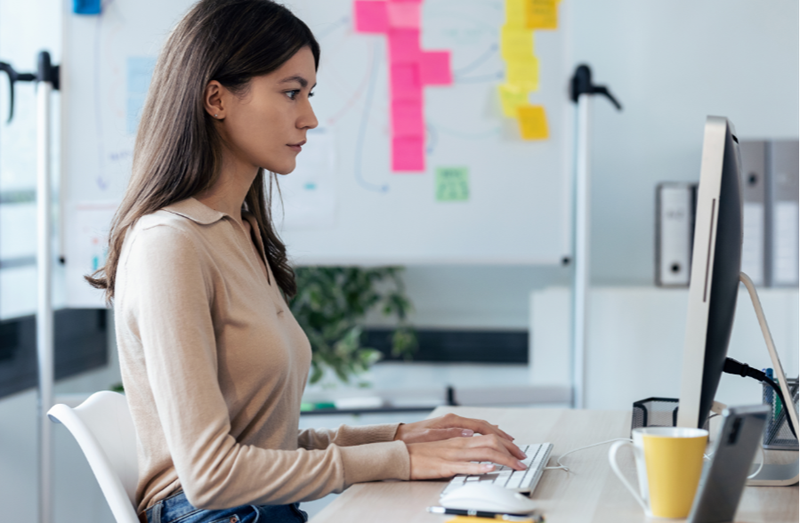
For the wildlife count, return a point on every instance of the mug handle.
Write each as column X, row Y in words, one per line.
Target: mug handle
column 612, row 459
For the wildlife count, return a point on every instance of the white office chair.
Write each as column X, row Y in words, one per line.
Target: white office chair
column 103, row 427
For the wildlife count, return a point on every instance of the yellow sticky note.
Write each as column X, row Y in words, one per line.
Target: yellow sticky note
column 532, row 122
column 517, row 13
column 523, row 73
column 542, row 14
column 511, row 97
column 516, row 42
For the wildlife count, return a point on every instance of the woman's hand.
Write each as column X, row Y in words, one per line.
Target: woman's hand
column 446, row 458
column 444, row 446
column 446, row 427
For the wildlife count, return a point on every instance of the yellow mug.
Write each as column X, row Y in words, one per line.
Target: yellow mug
column 669, row 461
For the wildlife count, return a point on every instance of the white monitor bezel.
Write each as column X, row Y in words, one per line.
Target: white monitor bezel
column 702, row 272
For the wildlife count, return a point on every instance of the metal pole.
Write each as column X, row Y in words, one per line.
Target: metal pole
column 44, row 313
column 581, row 274
column 581, row 91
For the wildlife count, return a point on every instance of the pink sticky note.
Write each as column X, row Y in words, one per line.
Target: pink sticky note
column 405, row 82
column 371, row 16
column 404, row 45
column 408, row 154
column 435, row 68
column 407, row 119
column 405, row 14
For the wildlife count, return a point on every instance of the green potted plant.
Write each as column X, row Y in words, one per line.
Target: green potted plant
column 331, row 304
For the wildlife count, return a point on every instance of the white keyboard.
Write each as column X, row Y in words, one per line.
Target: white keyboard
column 516, row 480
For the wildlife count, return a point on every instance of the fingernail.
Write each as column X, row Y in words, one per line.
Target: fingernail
column 488, row 466
column 467, row 433
column 521, row 464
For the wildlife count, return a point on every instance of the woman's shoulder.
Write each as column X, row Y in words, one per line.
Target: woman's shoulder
column 179, row 225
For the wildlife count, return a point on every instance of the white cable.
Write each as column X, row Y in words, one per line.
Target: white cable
column 563, row 467
column 760, row 465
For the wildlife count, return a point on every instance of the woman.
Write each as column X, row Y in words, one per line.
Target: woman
column 213, row 362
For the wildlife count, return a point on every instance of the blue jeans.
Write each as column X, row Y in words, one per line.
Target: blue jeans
column 176, row 509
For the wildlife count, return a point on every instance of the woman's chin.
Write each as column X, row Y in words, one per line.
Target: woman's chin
column 285, row 168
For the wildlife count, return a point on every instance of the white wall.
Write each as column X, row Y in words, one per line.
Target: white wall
column 671, row 63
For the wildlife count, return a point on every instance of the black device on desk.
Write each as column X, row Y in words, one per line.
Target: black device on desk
column 723, row 479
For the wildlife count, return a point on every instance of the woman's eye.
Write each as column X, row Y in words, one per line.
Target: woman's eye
column 292, row 94
column 310, row 95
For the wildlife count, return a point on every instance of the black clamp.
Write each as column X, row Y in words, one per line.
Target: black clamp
column 581, row 83
column 46, row 73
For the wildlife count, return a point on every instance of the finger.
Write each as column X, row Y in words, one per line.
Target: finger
column 498, row 444
column 437, row 435
column 487, row 454
column 484, row 427
column 513, row 449
column 503, row 433
column 460, row 467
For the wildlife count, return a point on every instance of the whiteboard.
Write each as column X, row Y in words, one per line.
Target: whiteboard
column 518, row 209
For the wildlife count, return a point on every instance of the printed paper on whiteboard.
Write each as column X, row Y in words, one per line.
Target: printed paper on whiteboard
column 309, row 192
column 86, row 249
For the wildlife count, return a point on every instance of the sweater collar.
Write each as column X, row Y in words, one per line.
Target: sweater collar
column 195, row 211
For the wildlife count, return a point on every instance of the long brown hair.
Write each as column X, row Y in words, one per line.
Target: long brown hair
column 177, row 151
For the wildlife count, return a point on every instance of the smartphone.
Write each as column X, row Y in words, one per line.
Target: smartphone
column 723, row 479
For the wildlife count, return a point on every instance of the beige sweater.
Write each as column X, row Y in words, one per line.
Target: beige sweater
column 214, row 366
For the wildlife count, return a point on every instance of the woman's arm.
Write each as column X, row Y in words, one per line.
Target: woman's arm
column 346, row 436
column 436, row 429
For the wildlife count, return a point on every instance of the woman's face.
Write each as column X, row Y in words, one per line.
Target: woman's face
column 266, row 126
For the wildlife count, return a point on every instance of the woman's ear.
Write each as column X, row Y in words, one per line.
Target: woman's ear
column 213, row 100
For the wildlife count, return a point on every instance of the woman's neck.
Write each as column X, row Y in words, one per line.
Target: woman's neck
column 228, row 193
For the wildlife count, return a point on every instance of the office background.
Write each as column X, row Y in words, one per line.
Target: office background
column 669, row 62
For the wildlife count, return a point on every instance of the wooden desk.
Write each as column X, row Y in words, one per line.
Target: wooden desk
column 590, row 493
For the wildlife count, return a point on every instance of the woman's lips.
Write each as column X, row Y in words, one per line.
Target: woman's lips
column 297, row 146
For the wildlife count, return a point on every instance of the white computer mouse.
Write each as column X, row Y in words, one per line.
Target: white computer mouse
column 487, row 497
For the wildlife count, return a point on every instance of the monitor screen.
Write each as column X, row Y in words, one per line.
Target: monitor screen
column 716, row 264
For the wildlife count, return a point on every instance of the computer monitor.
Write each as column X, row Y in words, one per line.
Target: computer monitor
column 714, row 279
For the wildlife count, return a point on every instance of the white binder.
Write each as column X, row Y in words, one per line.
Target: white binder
column 674, row 233
column 754, row 167
column 782, row 213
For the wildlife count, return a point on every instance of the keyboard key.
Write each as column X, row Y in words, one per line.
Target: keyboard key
column 514, row 481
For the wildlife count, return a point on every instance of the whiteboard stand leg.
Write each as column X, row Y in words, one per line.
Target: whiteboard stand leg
column 580, row 285
column 582, row 91
column 46, row 80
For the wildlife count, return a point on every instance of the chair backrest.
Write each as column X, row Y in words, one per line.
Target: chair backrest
column 103, row 428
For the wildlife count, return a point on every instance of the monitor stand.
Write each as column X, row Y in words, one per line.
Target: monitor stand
column 774, row 475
